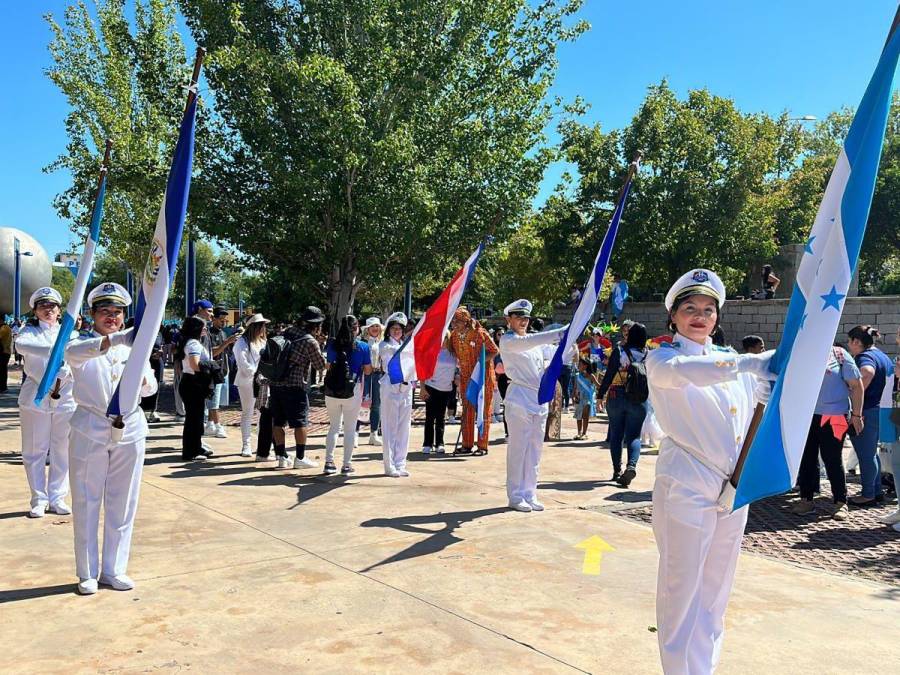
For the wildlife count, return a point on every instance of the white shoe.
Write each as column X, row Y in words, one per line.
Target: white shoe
column 209, row 429
column 38, row 510
column 205, row 447
column 891, row 518
column 246, row 451
column 284, row 463
column 374, row 440
column 426, row 450
column 119, row 582
column 153, row 417
column 402, row 471
column 87, row 587
column 60, row 508
column 220, row 431
column 439, row 450
column 520, row 505
column 536, row 505
column 305, row 463
column 393, row 473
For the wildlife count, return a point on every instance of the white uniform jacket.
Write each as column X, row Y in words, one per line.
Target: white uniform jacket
column 35, row 343
column 97, row 374
column 524, row 360
column 246, row 356
column 386, row 352
column 708, row 422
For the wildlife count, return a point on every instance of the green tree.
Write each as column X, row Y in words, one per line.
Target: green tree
column 372, row 141
column 64, row 282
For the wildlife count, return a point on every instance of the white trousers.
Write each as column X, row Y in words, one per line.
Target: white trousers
column 346, row 409
column 523, row 453
column 43, row 433
column 179, row 404
column 248, row 401
column 698, row 552
column 107, row 474
column 396, row 417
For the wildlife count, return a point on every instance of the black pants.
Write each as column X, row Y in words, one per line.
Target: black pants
column 4, row 370
column 265, row 441
column 565, row 381
column 821, row 440
column 193, row 394
column 502, row 386
column 451, row 401
column 435, row 409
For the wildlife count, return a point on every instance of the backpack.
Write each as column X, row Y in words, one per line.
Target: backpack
column 636, row 388
column 270, row 357
column 339, row 381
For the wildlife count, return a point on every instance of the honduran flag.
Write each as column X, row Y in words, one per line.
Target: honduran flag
column 588, row 302
column 475, row 390
column 73, row 308
column 159, row 270
column 823, row 277
column 887, row 430
column 417, row 357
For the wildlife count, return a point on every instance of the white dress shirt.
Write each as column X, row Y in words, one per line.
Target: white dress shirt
column 524, row 360
column 246, row 356
column 35, row 344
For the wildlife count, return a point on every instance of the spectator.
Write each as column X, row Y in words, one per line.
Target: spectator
column 626, row 413
column 435, row 393
column 876, row 369
column 5, row 354
column 841, row 393
column 374, row 334
column 157, row 364
column 574, row 295
column 769, row 282
column 585, row 396
column 718, row 337
column 219, row 343
column 194, row 387
column 289, row 393
column 753, row 344
column 618, row 296
column 246, row 357
column 349, row 360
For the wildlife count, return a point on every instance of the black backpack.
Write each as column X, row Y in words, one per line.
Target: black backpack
column 270, row 356
column 636, row 388
column 339, row 381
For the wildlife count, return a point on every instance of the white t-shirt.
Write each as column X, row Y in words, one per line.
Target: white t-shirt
column 444, row 371
column 192, row 348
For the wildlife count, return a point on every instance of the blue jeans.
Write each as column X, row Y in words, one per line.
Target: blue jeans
column 565, row 381
column 625, row 422
column 866, row 447
column 373, row 389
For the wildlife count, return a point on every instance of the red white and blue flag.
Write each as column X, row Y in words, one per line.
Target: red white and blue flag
column 475, row 390
column 416, row 359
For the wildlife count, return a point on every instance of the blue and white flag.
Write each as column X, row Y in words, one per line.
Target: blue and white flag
column 618, row 296
column 588, row 301
column 830, row 258
column 73, row 308
column 475, row 390
column 159, row 270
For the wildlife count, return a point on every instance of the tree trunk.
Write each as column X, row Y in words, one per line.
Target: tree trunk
column 343, row 293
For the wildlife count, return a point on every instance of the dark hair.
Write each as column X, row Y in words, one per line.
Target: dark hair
column 766, row 271
column 252, row 331
column 718, row 336
column 537, row 324
column 344, row 340
column 865, row 334
column 637, row 337
column 750, row 341
column 191, row 329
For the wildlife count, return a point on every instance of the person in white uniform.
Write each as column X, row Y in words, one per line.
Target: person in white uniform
column 105, row 465
column 246, row 356
column 45, row 428
column 703, row 397
column 525, row 357
column 396, row 402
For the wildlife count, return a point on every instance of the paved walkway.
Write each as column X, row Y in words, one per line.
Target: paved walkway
column 241, row 567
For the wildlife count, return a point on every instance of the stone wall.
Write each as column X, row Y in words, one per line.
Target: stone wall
column 766, row 318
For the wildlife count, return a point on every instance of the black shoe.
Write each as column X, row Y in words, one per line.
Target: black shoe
column 207, row 453
column 626, row 477
column 615, row 476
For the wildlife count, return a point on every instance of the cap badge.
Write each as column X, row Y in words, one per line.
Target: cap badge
column 700, row 277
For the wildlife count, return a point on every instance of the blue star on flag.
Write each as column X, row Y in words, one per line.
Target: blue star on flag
column 807, row 247
column 832, row 299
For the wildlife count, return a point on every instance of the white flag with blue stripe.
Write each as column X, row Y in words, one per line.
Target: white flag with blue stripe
column 73, row 308
column 475, row 390
column 159, row 270
column 830, row 258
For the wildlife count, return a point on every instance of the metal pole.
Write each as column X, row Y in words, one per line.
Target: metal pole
column 407, row 299
column 17, row 281
column 129, row 286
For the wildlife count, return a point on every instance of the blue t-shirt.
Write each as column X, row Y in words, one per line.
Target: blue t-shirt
column 834, row 396
column 877, row 359
column 359, row 357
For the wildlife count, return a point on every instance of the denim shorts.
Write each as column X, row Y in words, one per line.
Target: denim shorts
column 213, row 402
column 289, row 405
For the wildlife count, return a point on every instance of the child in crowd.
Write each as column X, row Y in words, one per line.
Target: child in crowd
column 585, row 395
column 753, row 344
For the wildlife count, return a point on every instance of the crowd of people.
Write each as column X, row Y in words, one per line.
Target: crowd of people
column 684, row 389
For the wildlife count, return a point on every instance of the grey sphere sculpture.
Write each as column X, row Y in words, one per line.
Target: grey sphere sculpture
column 36, row 270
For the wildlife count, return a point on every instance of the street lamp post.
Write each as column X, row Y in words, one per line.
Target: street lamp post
column 17, row 278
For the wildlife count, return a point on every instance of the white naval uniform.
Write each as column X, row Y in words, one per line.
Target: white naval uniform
column 102, row 470
column 246, row 357
column 524, row 361
column 703, row 397
column 45, row 429
column 396, row 413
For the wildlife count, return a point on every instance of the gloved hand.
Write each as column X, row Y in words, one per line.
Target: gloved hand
column 122, row 337
column 757, row 364
column 763, row 391
column 725, row 503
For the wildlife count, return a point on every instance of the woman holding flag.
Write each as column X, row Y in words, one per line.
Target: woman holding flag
column 106, row 461
column 396, row 403
column 45, row 426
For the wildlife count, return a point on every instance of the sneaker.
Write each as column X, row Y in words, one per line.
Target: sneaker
column 247, row 452
column 38, row 510
column 426, row 450
column 536, row 505
column 401, row 471
column 393, row 473
column 840, row 511
column 119, row 582
column 207, row 452
column 284, row 463
column 60, row 508
column 452, row 420
column 330, row 469
column 205, row 446
column 267, row 458
column 374, row 439
column 891, row 518
column 627, row 476
column 521, row 505
column 153, row 418
column 305, row 463
column 209, row 429
column 347, row 469
column 87, row 587
column 220, row 431
column 439, row 450
column 804, row 507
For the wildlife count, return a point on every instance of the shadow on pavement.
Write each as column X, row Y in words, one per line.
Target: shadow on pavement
column 33, row 593
column 13, row 514
column 308, row 487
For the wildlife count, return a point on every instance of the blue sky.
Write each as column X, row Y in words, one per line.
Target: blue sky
column 798, row 55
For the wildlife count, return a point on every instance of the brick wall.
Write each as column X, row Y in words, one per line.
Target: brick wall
column 766, row 318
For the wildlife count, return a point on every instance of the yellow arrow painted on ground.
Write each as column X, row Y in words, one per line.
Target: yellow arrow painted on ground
column 593, row 548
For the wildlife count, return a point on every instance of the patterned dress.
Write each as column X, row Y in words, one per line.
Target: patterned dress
column 466, row 346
